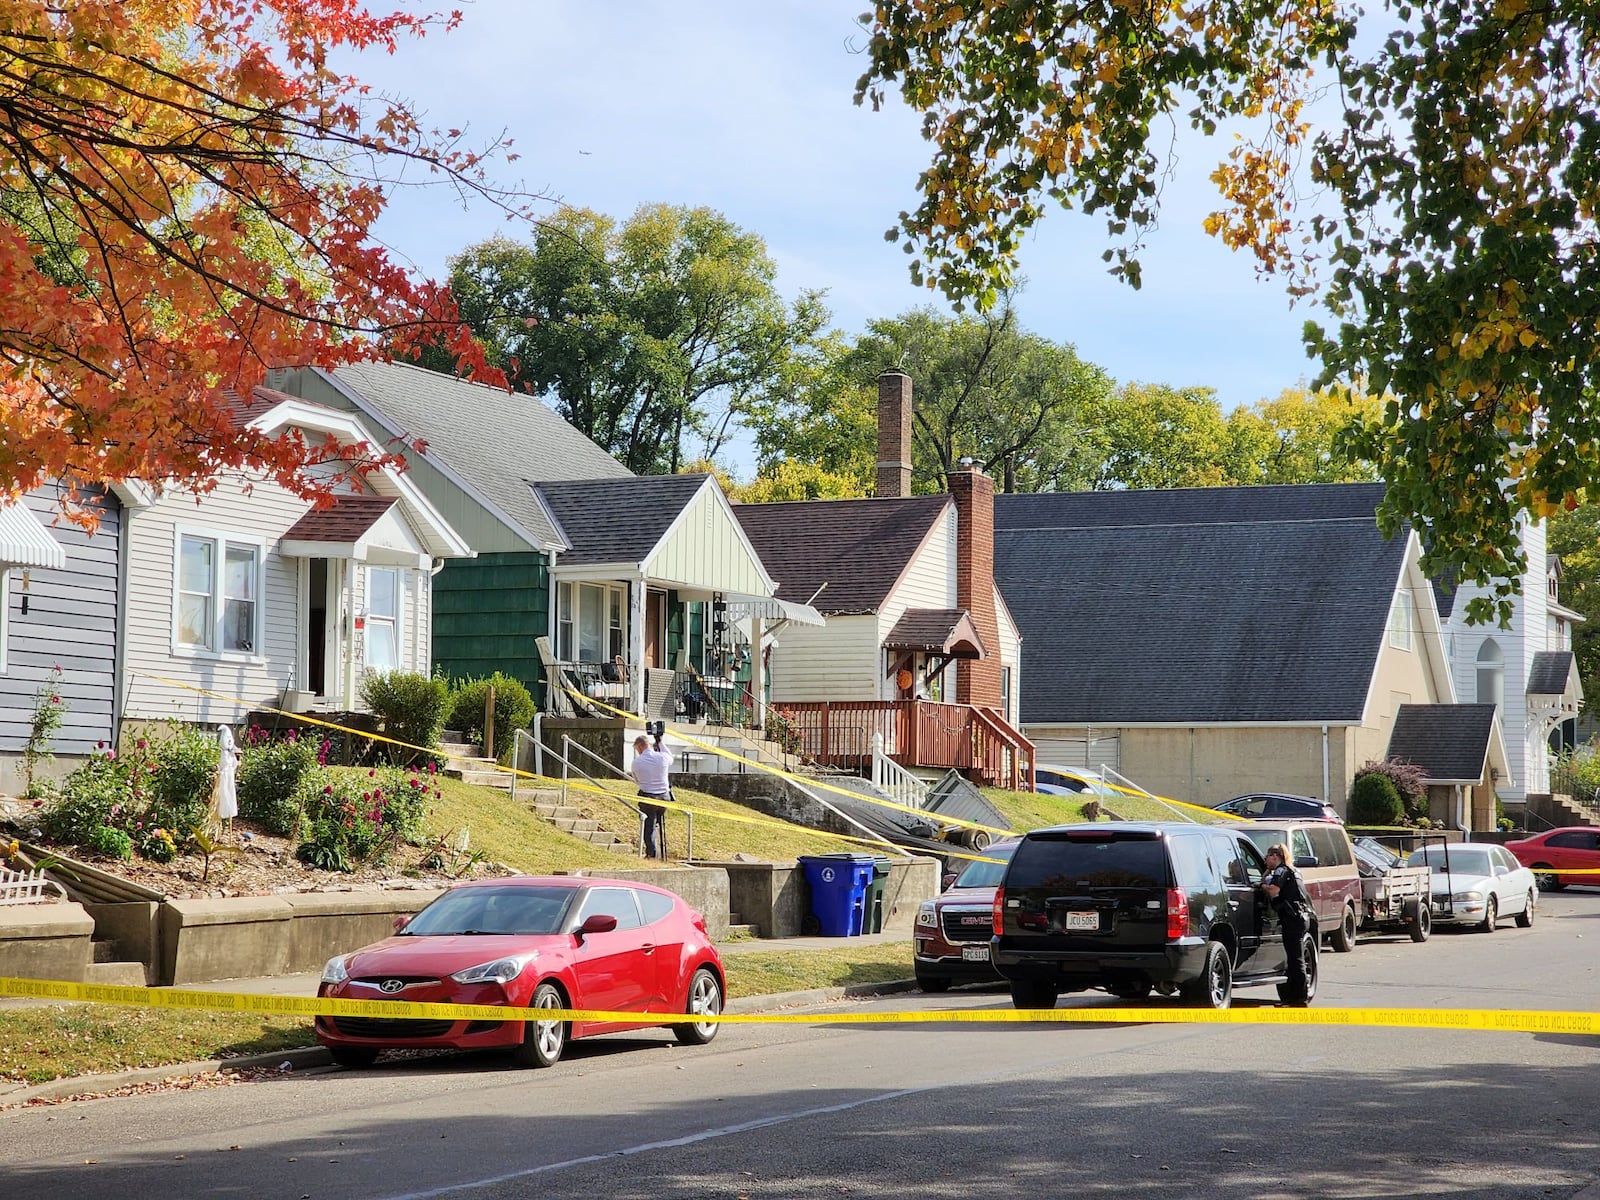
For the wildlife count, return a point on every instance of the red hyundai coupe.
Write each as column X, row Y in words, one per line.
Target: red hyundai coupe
column 530, row 942
column 1575, row 848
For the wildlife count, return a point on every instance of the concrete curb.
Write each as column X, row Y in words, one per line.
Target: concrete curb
column 310, row 1057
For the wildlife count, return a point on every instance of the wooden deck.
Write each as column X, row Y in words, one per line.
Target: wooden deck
column 916, row 733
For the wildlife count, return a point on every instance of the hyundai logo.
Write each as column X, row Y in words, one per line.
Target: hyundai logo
column 391, row 985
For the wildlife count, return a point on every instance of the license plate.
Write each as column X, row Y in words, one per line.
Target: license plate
column 975, row 953
column 1083, row 921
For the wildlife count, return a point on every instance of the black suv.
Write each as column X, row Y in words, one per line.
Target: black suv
column 1129, row 906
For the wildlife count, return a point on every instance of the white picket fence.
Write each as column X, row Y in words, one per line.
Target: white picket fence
column 28, row 887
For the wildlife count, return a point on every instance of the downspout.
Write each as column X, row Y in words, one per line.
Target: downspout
column 119, row 681
column 1325, row 781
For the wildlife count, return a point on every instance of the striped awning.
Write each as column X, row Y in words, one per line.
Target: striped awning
column 24, row 542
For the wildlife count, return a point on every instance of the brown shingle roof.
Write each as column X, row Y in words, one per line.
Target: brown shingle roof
column 346, row 521
column 859, row 548
column 947, row 630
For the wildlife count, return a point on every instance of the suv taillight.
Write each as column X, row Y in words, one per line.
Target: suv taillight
column 999, row 911
column 1177, row 914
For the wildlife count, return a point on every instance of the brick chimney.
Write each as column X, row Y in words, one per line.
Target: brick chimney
column 973, row 491
column 894, row 435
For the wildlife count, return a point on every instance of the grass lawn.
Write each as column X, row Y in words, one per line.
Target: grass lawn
column 39, row 1043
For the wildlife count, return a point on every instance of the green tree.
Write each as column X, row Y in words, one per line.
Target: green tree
column 1154, row 436
column 652, row 336
column 985, row 389
column 1296, row 437
column 1450, row 232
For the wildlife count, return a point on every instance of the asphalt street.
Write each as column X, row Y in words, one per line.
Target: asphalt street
column 915, row 1109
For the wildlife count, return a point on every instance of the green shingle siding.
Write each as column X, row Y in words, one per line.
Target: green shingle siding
column 487, row 612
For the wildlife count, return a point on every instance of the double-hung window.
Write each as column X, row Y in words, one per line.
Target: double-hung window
column 590, row 624
column 218, row 594
column 383, row 618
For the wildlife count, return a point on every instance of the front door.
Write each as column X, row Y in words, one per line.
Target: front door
column 319, row 628
column 654, row 605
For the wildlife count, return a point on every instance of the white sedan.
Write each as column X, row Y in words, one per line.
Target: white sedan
column 1477, row 884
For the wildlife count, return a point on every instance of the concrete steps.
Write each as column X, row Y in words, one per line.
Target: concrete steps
column 572, row 820
column 106, row 968
column 738, row 927
column 466, row 761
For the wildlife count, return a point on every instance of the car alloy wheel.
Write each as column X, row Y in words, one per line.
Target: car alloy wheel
column 543, row 1041
column 1491, row 914
column 1525, row 917
column 1214, row 987
column 705, row 997
column 1546, row 878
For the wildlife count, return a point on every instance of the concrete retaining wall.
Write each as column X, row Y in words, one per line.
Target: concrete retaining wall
column 703, row 888
column 775, row 898
column 45, row 941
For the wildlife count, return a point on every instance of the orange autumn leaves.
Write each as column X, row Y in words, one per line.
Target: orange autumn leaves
column 187, row 193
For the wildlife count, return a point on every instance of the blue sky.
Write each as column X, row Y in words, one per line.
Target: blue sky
column 746, row 108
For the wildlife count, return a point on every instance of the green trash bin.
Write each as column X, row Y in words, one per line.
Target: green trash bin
column 875, row 914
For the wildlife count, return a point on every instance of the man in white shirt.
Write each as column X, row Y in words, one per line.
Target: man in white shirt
column 651, row 767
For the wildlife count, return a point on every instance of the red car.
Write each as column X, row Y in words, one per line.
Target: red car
column 950, row 942
column 529, row 942
column 1576, row 847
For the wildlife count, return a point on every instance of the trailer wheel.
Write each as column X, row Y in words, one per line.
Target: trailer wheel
column 1419, row 919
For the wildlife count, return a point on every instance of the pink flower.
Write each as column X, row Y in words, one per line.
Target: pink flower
column 366, row 795
column 55, row 699
column 371, row 772
column 38, row 803
column 433, row 767
column 328, row 791
column 290, row 736
column 141, row 744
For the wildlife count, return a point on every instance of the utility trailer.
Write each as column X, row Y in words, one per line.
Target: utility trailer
column 1395, row 898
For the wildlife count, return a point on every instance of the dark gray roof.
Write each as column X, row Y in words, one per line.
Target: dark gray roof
column 1450, row 742
column 1203, row 605
column 498, row 441
column 616, row 520
column 857, row 547
column 1548, row 672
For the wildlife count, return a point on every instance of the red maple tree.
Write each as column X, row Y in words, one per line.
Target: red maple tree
column 187, row 196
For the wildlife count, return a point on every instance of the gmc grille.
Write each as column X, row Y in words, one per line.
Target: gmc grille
column 967, row 925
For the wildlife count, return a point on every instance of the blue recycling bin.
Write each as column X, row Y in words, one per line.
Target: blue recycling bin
column 839, row 885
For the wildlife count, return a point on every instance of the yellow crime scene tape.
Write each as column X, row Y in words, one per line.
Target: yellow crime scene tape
column 1481, row 1020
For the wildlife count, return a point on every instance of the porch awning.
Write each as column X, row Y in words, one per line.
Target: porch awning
column 947, row 631
column 24, row 542
column 769, row 608
column 354, row 527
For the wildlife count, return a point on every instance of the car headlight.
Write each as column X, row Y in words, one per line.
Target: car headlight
column 336, row 970
column 927, row 915
column 501, row 970
column 1465, row 897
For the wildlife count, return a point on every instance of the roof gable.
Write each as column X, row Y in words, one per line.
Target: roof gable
column 1205, row 605
column 1450, row 742
column 857, row 548
column 616, row 520
column 498, row 442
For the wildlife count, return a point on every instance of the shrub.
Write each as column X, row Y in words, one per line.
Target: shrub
column 513, row 709
column 351, row 817
column 1374, row 800
column 412, row 708
column 269, row 780
column 95, row 796
column 181, row 770
column 48, row 712
column 113, row 843
column 1409, row 781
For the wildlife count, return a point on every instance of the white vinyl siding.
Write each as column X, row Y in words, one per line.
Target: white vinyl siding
column 930, row 579
column 838, row 661
column 1010, row 661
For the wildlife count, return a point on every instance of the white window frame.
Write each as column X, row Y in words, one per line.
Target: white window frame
column 1401, row 628
column 221, row 541
column 612, row 639
column 394, row 622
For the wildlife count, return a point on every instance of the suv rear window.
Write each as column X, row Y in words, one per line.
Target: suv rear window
column 1060, row 861
column 1331, row 847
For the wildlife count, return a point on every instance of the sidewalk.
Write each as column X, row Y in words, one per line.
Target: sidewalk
column 308, row 1057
